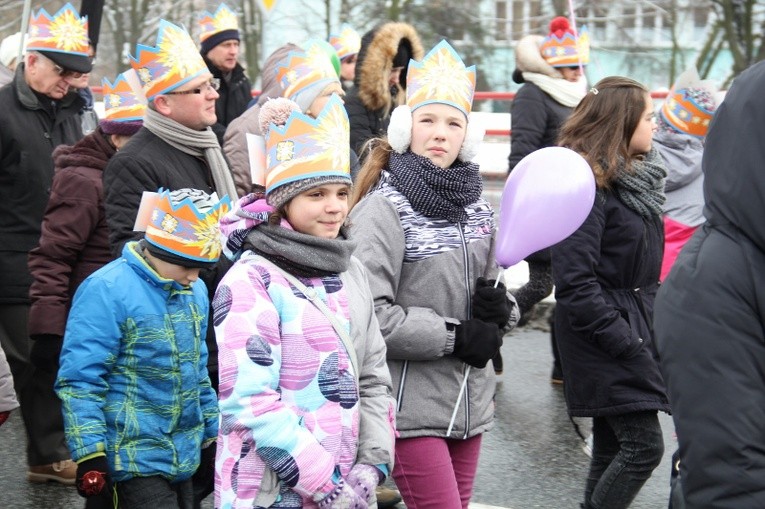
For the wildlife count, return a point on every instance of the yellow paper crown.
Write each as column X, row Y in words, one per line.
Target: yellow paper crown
column 64, row 32
column 302, row 68
column 306, row 148
column 171, row 63
column 123, row 100
column 213, row 23
column 441, row 77
column 564, row 48
column 690, row 105
column 346, row 43
column 182, row 229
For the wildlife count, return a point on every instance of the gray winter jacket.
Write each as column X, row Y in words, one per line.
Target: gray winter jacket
column 684, row 186
column 422, row 272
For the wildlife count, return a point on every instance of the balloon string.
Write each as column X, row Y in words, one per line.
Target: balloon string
column 576, row 32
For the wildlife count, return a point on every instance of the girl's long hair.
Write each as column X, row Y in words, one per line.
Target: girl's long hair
column 377, row 154
column 603, row 123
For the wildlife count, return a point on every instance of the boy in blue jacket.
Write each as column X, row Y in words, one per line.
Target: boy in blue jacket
column 137, row 401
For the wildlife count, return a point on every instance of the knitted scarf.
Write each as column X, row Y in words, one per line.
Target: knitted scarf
column 433, row 191
column 567, row 93
column 642, row 188
column 195, row 143
column 301, row 254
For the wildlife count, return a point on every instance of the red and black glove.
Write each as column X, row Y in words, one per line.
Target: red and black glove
column 93, row 477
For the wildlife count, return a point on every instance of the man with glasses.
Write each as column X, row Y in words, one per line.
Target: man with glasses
column 220, row 48
column 175, row 149
column 39, row 112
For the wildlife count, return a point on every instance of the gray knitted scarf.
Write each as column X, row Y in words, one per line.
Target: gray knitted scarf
column 301, row 254
column 642, row 188
column 195, row 143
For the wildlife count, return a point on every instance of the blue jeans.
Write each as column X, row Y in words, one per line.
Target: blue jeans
column 155, row 492
column 626, row 449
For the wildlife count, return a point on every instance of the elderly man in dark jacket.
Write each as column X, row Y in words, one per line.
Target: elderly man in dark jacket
column 709, row 316
column 40, row 112
column 220, row 49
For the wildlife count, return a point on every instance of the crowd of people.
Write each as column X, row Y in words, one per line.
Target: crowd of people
column 288, row 300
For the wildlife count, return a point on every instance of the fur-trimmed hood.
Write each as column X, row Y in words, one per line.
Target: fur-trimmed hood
column 528, row 58
column 375, row 61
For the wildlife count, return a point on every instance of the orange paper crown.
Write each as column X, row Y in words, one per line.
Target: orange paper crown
column 183, row 230
column 306, row 147
column 303, row 68
column 563, row 47
column 441, row 77
column 346, row 43
column 64, row 32
column 123, row 100
column 213, row 23
column 171, row 63
column 690, row 105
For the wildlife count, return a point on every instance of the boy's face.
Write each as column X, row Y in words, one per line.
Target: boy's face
column 181, row 275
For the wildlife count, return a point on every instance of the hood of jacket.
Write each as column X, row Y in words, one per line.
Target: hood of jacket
column 682, row 158
column 733, row 158
column 375, row 61
column 271, row 88
column 528, row 58
column 93, row 151
column 249, row 212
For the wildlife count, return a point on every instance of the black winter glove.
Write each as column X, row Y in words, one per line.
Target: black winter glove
column 46, row 349
column 93, row 477
column 476, row 342
column 491, row 304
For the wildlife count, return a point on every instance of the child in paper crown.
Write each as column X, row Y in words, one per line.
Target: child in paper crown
column 682, row 122
column 305, row 401
column 426, row 236
column 139, row 410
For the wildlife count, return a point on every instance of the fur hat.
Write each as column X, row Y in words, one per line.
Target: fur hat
column 565, row 48
column 690, row 105
column 440, row 78
column 303, row 152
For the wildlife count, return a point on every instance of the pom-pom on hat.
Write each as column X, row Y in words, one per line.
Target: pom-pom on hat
column 690, row 105
column 303, row 74
column 347, row 42
column 124, row 104
column 565, row 48
column 168, row 65
column 183, row 226
column 62, row 37
column 217, row 27
column 304, row 152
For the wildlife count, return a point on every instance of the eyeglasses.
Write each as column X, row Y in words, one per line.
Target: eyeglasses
column 213, row 84
column 62, row 72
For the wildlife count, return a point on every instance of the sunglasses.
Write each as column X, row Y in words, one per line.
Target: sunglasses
column 213, row 84
column 62, row 72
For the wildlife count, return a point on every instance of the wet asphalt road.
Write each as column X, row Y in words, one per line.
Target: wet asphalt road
column 531, row 459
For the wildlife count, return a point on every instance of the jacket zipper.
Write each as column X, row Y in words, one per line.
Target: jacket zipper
column 400, row 395
column 469, row 315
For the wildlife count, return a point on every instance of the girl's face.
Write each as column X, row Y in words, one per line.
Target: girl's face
column 319, row 211
column 438, row 131
column 641, row 139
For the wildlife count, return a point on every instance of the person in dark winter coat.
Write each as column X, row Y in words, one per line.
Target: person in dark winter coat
column 606, row 276
column 709, row 317
column 550, row 70
column 380, row 80
column 39, row 112
column 220, row 50
column 74, row 241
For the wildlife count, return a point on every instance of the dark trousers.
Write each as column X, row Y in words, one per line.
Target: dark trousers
column 155, row 492
column 626, row 450
column 40, row 407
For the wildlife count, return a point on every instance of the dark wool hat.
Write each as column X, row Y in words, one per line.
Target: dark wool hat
column 128, row 128
column 215, row 39
column 69, row 61
column 173, row 258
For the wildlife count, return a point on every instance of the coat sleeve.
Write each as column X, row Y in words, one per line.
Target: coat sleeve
column 360, row 124
column 377, row 413
column 247, row 328
column 208, row 400
column 412, row 332
column 70, row 219
column 578, row 290
column 125, row 180
column 87, row 357
column 528, row 119
column 235, row 148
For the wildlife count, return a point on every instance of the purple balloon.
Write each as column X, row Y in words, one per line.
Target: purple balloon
column 547, row 196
